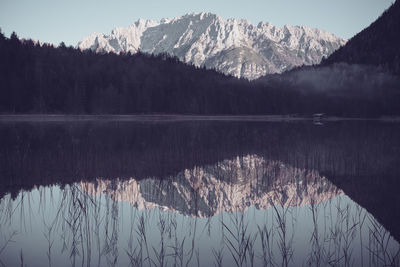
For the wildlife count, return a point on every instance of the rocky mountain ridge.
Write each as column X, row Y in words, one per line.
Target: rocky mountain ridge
column 233, row 46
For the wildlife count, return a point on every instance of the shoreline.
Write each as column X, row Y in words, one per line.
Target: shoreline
column 177, row 117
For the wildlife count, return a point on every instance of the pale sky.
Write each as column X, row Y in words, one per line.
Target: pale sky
column 71, row 20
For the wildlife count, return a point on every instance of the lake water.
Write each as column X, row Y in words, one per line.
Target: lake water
column 133, row 193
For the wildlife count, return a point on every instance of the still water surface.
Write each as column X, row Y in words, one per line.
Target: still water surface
column 199, row 194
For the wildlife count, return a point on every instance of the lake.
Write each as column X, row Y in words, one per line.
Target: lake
column 199, row 193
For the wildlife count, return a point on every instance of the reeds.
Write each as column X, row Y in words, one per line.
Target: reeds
column 379, row 251
column 239, row 241
column 266, row 241
column 285, row 238
column 7, row 240
column 90, row 227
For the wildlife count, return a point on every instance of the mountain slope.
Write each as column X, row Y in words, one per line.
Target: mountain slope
column 44, row 79
column 232, row 46
column 376, row 45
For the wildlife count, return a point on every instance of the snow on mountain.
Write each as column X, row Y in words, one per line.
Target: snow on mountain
column 230, row 185
column 232, row 46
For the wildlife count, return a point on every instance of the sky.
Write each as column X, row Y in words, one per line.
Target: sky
column 71, row 20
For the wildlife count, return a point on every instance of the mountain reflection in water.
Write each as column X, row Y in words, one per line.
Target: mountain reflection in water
column 227, row 186
column 162, row 194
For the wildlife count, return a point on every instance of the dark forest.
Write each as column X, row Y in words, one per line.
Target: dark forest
column 63, row 80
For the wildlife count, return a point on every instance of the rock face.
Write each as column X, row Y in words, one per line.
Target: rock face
column 234, row 47
column 230, row 185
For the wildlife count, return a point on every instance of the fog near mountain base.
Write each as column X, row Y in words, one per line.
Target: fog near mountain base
column 84, row 82
column 339, row 79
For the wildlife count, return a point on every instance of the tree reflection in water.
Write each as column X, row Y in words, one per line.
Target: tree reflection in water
column 96, row 224
column 183, row 194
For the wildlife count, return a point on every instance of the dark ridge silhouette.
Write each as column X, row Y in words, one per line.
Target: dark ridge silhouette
column 43, row 79
column 361, row 158
column 376, row 45
column 367, row 68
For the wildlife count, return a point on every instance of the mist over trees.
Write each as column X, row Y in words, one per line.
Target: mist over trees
column 345, row 86
column 44, row 79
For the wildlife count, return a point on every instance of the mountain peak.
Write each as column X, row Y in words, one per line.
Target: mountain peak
column 233, row 46
column 145, row 23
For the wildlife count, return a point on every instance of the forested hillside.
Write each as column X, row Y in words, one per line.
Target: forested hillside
column 376, row 45
column 43, row 79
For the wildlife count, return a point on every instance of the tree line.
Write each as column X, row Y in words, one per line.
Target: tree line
column 376, row 45
column 41, row 78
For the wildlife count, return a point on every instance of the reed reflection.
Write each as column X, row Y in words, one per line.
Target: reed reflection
column 70, row 226
column 184, row 194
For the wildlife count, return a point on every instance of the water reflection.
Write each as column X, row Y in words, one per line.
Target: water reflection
column 228, row 186
column 81, row 225
column 184, row 194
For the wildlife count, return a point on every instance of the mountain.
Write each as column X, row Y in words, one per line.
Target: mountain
column 228, row 186
column 376, row 45
column 234, row 47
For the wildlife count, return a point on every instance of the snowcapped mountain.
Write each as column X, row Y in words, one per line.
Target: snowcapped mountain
column 230, row 185
column 232, row 46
